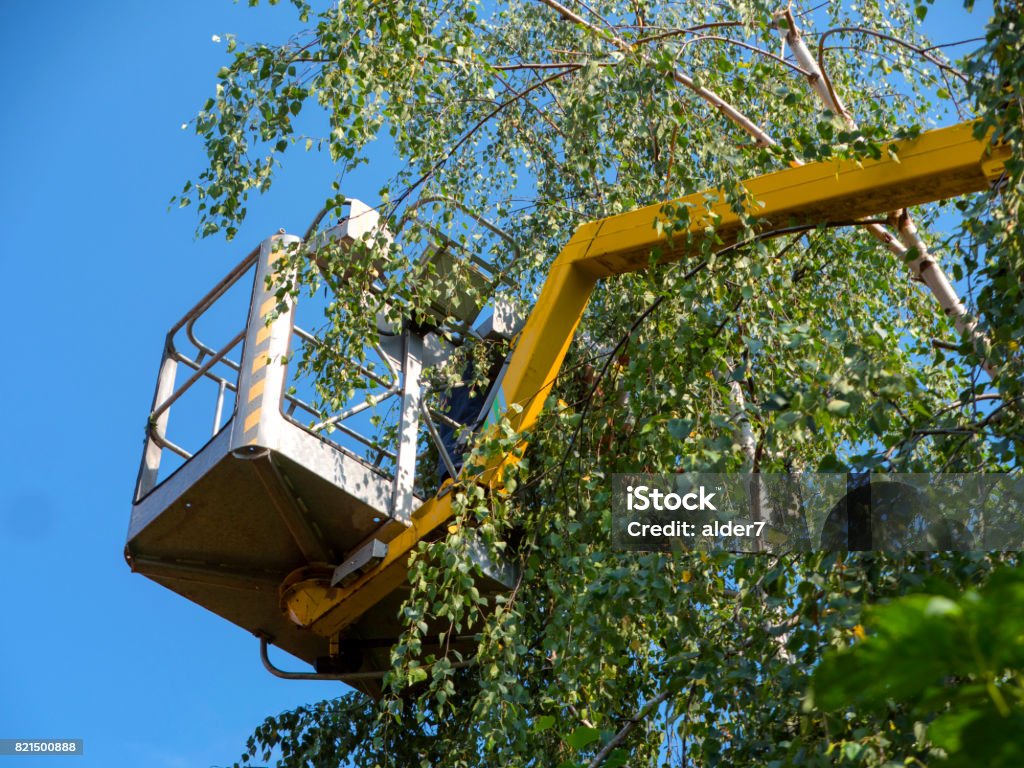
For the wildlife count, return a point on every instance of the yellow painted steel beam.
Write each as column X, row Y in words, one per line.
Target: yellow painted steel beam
column 938, row 165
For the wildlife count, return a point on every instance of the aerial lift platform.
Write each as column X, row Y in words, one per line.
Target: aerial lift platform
column 282, row 527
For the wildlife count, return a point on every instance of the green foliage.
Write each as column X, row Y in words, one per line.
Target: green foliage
column 997, row 256
column 511, row 112
column 953, row 662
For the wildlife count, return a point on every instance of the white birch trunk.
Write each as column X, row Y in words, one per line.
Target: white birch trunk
column 923, row 266
column 744, row 431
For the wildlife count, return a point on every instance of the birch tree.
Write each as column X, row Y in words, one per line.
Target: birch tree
column 818, row 350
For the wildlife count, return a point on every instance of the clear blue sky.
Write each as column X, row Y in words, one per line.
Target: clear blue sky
column 96, row 271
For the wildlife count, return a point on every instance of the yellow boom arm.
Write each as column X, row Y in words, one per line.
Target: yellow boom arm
column 939, row 164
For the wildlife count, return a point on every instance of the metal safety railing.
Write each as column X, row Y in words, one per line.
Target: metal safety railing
column 357, row 428
column 342, row 429
column 220, row 364
column 205, row 362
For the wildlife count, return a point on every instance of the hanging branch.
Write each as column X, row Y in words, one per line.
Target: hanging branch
column 737, row 401
column 723, row 106
column 922, row 52
column 436, row 166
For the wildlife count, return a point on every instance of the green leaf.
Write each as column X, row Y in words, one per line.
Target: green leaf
column 582, row 736
column 543, row 722
column 787, row 419
column 680, row 428
column 838, row 407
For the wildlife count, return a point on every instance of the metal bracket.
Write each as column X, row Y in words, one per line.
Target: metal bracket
column 365, row 558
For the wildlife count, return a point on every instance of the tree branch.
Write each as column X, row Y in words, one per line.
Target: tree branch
column 922, row 52
column 796, row 68
column 628, row 728
column 476, row 126
column 727, row 109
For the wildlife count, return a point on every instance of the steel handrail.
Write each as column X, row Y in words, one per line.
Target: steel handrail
column 296, row 402
column 208, row 357
column 368, row 442
column 344, row 677
column 356, row 409
column 313, row 411
column 217, row 291
column 200, row 372
column 446, row 419
column 196, row 365
column 372, row 375
column 347, row 677
column 163, row 442
column 205, row 349
column 438, row 442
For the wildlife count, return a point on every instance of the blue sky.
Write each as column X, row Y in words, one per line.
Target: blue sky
column 96, row 271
